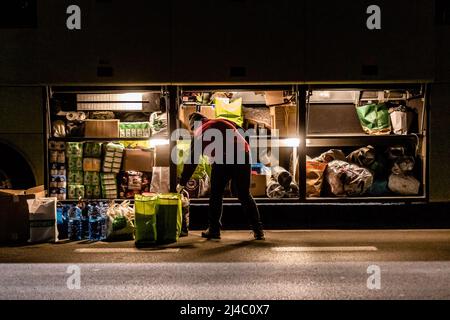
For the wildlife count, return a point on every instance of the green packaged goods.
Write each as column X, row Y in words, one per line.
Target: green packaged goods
column 75, row 163
column 75, row 191
column 134, row 129
column 75, row 177
column 74, row 149
column 375, row 119
column 92, row 192
column 93, row 149
column 145, row 219
column 91, row 178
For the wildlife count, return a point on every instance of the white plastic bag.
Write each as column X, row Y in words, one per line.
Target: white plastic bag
column 160, row 180
column 403, row 184
column 42, row 216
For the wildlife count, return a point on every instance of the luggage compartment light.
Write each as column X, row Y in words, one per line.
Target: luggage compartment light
column 290, row 142
column 158, row 142
column 132, row 101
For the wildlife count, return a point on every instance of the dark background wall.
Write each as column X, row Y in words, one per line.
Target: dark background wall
column 222, row 41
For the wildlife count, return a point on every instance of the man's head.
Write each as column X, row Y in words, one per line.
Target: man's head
column 196, row 117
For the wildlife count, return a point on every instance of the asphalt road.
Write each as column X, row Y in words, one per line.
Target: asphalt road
column 289, row 265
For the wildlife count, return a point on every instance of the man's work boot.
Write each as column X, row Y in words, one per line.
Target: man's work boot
column 211, row 234
column 259, row 234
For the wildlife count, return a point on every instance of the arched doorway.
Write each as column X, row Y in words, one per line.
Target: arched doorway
column 15, row 171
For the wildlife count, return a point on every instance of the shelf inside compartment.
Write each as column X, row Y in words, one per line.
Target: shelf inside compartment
column 374, row 199
column 81, row 139
column 349, row 140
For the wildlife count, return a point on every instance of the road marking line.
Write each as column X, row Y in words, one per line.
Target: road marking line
column 323, row 249
column 126, row 250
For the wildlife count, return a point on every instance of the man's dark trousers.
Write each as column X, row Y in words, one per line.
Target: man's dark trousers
column 240, row 175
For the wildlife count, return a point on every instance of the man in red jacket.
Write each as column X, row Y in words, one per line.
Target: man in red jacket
column 231, row 161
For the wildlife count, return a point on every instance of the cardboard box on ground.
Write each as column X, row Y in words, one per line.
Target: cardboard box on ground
column 14, row 214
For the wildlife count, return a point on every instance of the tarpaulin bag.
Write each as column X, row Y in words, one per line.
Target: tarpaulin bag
column 230, row 111
column 374, row 119
column 145, row 219
column 43, row 220
column 363, row 157
column 347, row 179
column 314, row 178
column 168, row 218
column 404, row 184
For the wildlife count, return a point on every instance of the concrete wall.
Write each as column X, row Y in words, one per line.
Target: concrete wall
column 21, row 124
column 221, row 41
column 440, row 142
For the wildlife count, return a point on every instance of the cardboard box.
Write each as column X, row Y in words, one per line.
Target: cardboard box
column 162, row 156
column 258, row 185
column 208, row 111
column 184, row 113
column 274, row 97
column 102, row 128
column 284, row 119
column 14, row 214
column 186, row 110
column 138, row 160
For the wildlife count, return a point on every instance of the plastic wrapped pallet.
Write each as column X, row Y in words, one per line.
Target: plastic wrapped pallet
column 112, row 161
column 75, row 191
column 109, row 185
column 92, row 150
column 92, row 164
column 347, row 179
column 75, row 177
column 75, row 163
column 74, row 149
column 58, row 169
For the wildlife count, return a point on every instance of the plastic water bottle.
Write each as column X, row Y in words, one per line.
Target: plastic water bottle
column 74, row 226
column 85, row 221
column 94, row 223
column 104, row 221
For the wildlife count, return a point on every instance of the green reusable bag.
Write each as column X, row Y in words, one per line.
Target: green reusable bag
column 375, row 119
column 230, row 111
column 168, row 218
column 204, row 167
column 145, row 219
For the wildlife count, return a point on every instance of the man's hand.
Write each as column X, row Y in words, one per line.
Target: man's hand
column 180, row 188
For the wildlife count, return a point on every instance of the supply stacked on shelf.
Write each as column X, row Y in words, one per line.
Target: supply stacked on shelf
column 112, row 163
column 75, row 189
column 58, row 173
column 91, row 167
